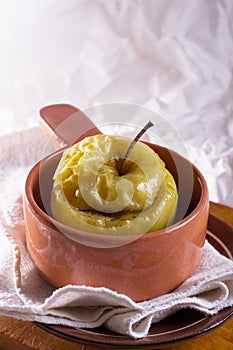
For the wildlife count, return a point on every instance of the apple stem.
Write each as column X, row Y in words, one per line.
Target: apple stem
column 137, row 137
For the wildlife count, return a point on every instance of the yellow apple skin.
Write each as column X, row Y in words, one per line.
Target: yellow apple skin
column 89, row 194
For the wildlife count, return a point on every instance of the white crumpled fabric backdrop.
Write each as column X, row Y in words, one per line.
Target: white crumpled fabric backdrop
column 173, row 56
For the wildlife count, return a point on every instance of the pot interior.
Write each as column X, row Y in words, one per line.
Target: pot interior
column 187, row 177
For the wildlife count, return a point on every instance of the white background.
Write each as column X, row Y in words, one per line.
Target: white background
column 173, row 56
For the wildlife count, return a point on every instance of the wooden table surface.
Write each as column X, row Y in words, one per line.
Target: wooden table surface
column 21, row 335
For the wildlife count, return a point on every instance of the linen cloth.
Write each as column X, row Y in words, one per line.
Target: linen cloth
column 26, row 295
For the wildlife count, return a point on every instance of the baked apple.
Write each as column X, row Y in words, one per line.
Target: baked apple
column 91, row 194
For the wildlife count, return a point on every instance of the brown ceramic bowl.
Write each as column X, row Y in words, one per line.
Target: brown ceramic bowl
column 147, row 267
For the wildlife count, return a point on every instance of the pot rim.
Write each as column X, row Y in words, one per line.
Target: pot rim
column 50, row 221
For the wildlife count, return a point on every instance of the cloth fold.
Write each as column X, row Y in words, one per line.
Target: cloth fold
column 26, row 295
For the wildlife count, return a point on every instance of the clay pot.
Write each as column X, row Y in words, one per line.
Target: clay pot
column 147, row 267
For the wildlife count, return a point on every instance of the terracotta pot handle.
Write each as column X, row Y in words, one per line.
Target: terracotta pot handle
column 66, row 124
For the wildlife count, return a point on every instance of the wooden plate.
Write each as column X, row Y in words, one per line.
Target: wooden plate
column 181, row 326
